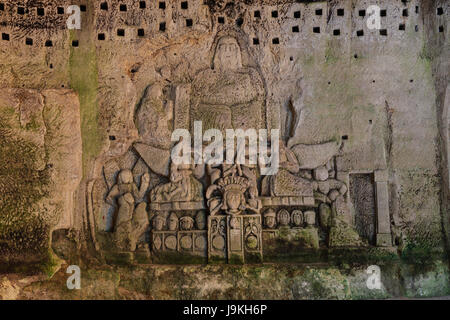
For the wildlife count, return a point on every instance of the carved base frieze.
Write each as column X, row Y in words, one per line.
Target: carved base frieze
column 235, row 238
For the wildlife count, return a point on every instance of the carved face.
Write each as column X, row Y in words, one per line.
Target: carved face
column 269, row 221
column 233, row 200
column 187, row 223
column 297, row 218
column 283, row 217
column 173, row 222
column 158, row 223
column 228, row 54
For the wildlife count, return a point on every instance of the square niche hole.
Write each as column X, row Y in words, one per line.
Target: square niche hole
column 362, row 13
column 60, row 10
column 318, row 12
column 40, row 11
column 360, row 33
column 401, row 27
column 383, row 32
column 295, row 29
column 49, row 43
column 340, row 12
column 405, row 12
column 20, row 10
column 74, row 43
column 383, row 13
column 2, row 7
column 316, row 29
column 162, row 5
column 257, row 14
column 140, row 33
column 297, row 14
column 255, row 41
column 104, row 6
column 123, row 7
column 29, row 41
column 275, row 41
column 162, row 26
column 82, row 8
column 221, row 20
column 440, row 11
column 336, row 32
column 5, row 36
column 441, row 28
column 189, row 22
column 121, row 32
column 101, row 36
column 184, row 5
column 142, row 5
column 275, row 14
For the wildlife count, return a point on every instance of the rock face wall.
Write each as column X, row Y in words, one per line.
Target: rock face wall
column 41, row 166
column 88, row 113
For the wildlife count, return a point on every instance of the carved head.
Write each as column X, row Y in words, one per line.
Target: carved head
column 186, row 223
column 310, row 218
column 269, row 218
column 228, row 54
column 158, row 223
column 125, row 176
column 297, row 218
column 233, row 199
column 200, row 220
column 173, row 222
column 283, row 217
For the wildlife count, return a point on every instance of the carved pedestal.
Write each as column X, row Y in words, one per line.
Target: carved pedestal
column 234, row 239
column 188, row 246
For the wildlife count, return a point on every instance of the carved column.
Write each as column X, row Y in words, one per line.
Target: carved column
column 384, row 237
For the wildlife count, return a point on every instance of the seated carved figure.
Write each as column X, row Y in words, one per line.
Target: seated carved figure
column 130, row 223
column 286, row 182
column 183, row 186
column 228, row 95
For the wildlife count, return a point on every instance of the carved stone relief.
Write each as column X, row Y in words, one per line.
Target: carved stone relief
column 222, row 212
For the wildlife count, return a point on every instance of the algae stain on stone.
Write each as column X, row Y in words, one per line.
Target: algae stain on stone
column 83, row 74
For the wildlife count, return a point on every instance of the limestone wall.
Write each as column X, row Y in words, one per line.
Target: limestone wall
column 375, row 90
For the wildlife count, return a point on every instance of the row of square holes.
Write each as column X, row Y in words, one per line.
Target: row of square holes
column 29, row 41
column 340, row 12
column 103, row 6
column 40, row 11
column 337, row 32
column 184, row 6
column 360, row 33
column 141, row 33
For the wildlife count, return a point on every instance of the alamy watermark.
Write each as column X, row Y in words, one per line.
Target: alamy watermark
column 374, row 20
column 73, row 281
column 374, row 280
column 74, row 20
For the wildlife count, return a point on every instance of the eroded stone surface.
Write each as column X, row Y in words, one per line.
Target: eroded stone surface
column 348, row 101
